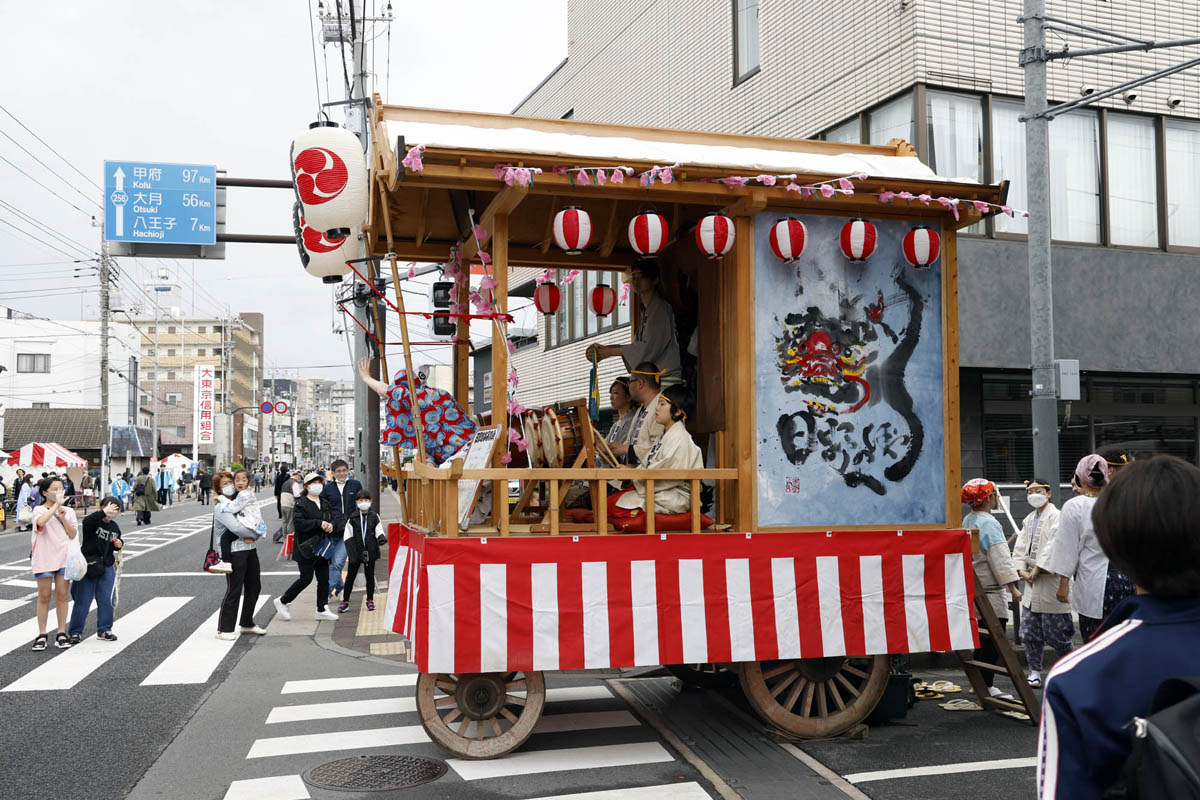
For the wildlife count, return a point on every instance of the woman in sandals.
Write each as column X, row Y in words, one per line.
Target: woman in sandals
column 362, row 534
column 54, row 527
column 101, row 539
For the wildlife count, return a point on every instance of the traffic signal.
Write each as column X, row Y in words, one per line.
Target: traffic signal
column 443, row 327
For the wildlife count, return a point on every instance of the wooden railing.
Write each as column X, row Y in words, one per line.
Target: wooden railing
column 430, row 494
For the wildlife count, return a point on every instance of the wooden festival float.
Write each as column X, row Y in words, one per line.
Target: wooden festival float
column 828, row 375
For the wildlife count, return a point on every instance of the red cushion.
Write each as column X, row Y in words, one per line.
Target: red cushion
column 662, row 523
column 579, row 514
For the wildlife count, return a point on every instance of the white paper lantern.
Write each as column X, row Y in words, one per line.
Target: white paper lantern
column 322, row 255
column 329, row 172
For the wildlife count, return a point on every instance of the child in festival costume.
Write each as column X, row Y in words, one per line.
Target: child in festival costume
column 1045, row 620
column 675, row 450
column 993, row 565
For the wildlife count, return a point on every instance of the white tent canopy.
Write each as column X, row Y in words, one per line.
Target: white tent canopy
column 45, row 454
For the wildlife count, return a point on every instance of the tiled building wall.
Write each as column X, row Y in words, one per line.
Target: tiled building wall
column 669, row 63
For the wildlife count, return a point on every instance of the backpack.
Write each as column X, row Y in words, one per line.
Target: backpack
column 1165, row 759
column 140, row 489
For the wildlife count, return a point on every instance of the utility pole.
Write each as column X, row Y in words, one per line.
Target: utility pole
column 104, row 313
column 1041, row 289
column 154, row 443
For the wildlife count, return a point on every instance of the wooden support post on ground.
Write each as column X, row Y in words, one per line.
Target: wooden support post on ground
column 1009, row 665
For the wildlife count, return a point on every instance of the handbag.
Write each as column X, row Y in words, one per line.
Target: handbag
column 211, row 559
column 25, row 514
column 324, row 549
column 77, row 565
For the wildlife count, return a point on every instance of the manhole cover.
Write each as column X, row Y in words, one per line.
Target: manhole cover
column 375, row 773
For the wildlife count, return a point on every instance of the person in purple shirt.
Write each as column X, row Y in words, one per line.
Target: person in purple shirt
column 1146, row 521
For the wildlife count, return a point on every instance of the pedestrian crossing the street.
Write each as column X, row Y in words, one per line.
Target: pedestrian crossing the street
column 584, row 728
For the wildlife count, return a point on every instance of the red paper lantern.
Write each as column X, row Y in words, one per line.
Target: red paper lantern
column 603, row 299
column 858, row 240
column 329, row 172
column 572, row 230
column 715, row 235
column 788, row 238
column 322, row 256
column 648, row 233
column 547, row 298
column 921, row 246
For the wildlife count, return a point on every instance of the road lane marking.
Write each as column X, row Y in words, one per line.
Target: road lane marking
column 339, row 740
column 667, row 791
column 405, row 705
column 540, row 761
column 389, row 681
column 283, row 787
column 196, row 573
column 9, row 605
column 942, row 769
column 21, row 582
column 197, row 656
column 69, row 668
column 23, row 633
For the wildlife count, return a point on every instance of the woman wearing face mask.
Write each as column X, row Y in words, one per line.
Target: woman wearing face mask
column 1046, row 620
column 101, row 540
column 362, row 535
column 1077, row 553
column 312, row 519
column 243, row 579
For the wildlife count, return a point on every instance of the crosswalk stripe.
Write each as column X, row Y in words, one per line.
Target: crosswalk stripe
column 587, row 720
column 21, row 582
column 23, row 633
column 532, row 762
column 195, row 659
column 9, row 605
column 342, row 684
column 667, row 791
column 341, row 740
column 69, row 668
column 283, row 787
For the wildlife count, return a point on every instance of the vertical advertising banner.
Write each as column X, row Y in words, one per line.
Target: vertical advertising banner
column 205, row 395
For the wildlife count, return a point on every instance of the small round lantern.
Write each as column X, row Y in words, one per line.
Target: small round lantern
column 329, row 173
column 547, row 298
column 322, row 256
column 714, row 235
column 648, row 233
column 858, row 240
column 921, row 246
column 572, row 230
column 788, row 238
column 603, row 299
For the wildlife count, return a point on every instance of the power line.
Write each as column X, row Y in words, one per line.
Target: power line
column 44, row 186
column 313, row 37
column 48, row 169
column 342, row 45
column 51, row 149
column 47, row 229
column 37, row 239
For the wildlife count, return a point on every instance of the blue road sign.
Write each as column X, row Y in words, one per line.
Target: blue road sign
column 160, row 203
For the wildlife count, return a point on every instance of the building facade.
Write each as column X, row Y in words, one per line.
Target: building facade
column 944, row 76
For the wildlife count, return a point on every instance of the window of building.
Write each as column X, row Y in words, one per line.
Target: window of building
column 846, row 133
column 745, row 39
column 892, row 120
column 1183, row 183
column 40, row 405
column 574, row 319
column 170, row 329
column 170, row 376
column 174, row 398
column 1132, row 181
column 170, row 351
column 199, row 351
column 1008, row 161
column 150, row 329
column 955, row 123
column 179, row 430
column 144, row 400
column 200, row 329
column 33, row 362
column 1075, row 177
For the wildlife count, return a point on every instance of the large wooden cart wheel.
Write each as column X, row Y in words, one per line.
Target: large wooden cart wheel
column 815, row 698
column 705, row 676
column 480, row 715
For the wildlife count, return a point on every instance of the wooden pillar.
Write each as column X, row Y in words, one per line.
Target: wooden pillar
column 950, row 388
column 500, row 363
column 741, row 367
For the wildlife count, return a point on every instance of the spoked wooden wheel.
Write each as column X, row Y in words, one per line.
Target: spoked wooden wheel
column 705, row 676
column 480, row 715
column 815, row 697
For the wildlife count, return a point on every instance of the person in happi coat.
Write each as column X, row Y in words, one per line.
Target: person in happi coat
column 446, row 426
column 1077, row 553
column 655, row 337
column 1045, row 620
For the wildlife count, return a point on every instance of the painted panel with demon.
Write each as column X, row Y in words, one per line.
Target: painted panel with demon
column 849, row 379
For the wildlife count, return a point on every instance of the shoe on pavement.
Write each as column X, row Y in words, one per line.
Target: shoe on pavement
column 255, row 629
column 76, row 639
column 281, row 609
column 326, row 614
column 227, row 636
column 343, row 608
column 997, row 693
column 221, row 568
column 107, row 636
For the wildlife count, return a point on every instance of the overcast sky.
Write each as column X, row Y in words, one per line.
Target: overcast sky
column 222, row 83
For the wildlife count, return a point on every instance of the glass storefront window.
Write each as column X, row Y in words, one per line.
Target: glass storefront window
column 893, row 120
column 1183, row 183
column 847, row 133
column 1075, row 177
column 1132, row 181
column 955, row 123
column 1008, row 161
column 1144, row 436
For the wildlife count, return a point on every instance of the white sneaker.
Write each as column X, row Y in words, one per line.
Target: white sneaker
column 220, row 568
column 227, row 636
column 282, row 610
column 994, row 692
column 326, row 614
column 255, row 629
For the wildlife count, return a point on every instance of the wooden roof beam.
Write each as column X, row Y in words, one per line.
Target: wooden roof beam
column 505, row 202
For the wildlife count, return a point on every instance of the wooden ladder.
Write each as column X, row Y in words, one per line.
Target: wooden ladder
column 1009, row 665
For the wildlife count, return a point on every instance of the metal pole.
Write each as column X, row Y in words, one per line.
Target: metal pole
column 1041, row 294
column 104, row 312
column 154, row 444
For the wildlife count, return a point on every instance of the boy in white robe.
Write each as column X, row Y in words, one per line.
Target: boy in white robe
column 675, row 450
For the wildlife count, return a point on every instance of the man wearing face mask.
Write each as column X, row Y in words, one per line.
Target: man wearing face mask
column 313, row 520
column 339, row 495
column 1046, row 620
column 101, row 540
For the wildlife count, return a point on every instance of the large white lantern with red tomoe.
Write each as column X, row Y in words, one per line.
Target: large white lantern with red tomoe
column 323, row 256
column 547, row 298
column 714, row 235
column 858, row 240
column 648, row 233
column 788, row 239
column 603, row 299
column 921, row 246
column 572, row 230
column 330, row 176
